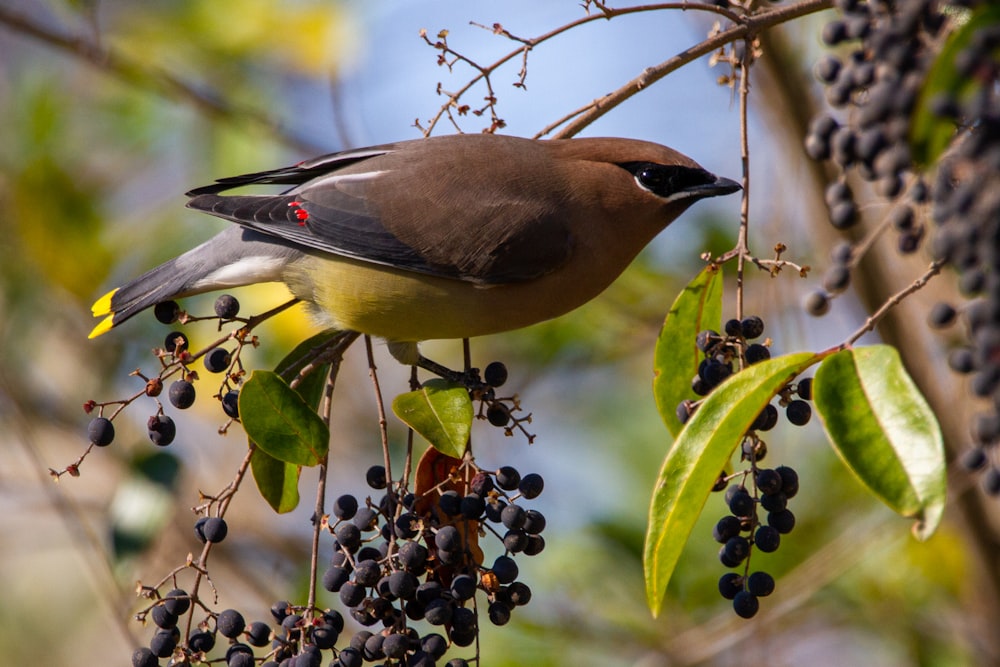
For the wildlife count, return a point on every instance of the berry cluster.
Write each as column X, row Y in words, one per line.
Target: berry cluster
column 395, row 562
column 769, row 489
column 428, row 564
column 890, row 48
column 742, row 530
column 885, row 50
column 176, row 359
column 722, row 350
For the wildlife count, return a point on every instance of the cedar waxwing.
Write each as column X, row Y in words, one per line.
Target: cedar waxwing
column 447, row 237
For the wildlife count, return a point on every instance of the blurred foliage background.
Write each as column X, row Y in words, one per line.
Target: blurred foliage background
column 111, row 110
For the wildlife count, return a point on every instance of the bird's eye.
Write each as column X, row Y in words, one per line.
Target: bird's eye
column 653, row 177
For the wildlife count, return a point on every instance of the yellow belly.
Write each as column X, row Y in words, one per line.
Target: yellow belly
column 407, row 306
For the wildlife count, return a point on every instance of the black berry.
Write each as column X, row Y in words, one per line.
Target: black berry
column 161, row 430
column 227, row 307
column 217, row 360
column 495, row 374
column 101, row 431
column 181, row 394
column 167, row 312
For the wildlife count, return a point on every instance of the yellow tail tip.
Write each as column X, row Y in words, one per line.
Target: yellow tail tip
column 103, row 327
column 102, row 306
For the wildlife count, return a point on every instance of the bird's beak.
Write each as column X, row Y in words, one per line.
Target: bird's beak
column 721, row 186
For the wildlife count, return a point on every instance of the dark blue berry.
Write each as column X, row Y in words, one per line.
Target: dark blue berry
column 345, row 507
column 745, row 604
column 166, row 312
column 161, row 430
column 176, row 601
column 798, row 412
column 760, row 584
column 473, row 506
column 768, row 481
column 737, row 548
column 730, row 584
column 531, row 485
column 463, row 587
column 505, row 569
column 101, row 431
column 227, row 307
column 789, row 481
column 757, row 353
column 742, row 503
column 495, row 374
column 230, row 623
column 507, row 478
column 727, row 527
column 217, row 360
column 215, row 529
column 231, row 404
column 498, row 414
column 783, row 521
column 767, row 539
column 375, row 477
column 752, row 327
column 181, row 394
column 448, row 539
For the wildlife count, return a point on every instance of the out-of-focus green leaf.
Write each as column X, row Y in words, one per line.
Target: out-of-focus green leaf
column 702, row 449
column 882, row 427
column 697, row 307
column 930, row 134
column 439, row 411
column 280, row 422
column 277, row 481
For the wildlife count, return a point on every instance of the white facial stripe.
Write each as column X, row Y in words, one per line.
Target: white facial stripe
column 257, row 269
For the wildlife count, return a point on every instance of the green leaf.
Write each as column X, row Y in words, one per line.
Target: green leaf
column 930, row 134
column 697, row 307
column 884, row 430
column 277, row 481
column 702, row 449
column 280, row 422
column 439, row 411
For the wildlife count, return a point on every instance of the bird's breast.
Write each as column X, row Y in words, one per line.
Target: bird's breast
column 407, row 306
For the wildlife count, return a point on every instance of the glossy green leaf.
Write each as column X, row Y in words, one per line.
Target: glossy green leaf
column 882, row 427
column 697, row 307
column 930, row 134
column 280, row 422
column 439, row 411
column 277, row 481
column 702, row 449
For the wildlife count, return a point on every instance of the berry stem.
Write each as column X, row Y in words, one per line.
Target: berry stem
column 325, row 409
column 892, row 301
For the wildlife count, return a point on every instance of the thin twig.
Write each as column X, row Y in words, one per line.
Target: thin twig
column 892, row 301
column 529, row 44
column 742, row 242
column 326, row 409
column 748, row 27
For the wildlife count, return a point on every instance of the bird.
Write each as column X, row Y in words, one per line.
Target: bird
column 446, row 237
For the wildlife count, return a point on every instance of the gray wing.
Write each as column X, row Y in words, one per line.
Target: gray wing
column 395, row 206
